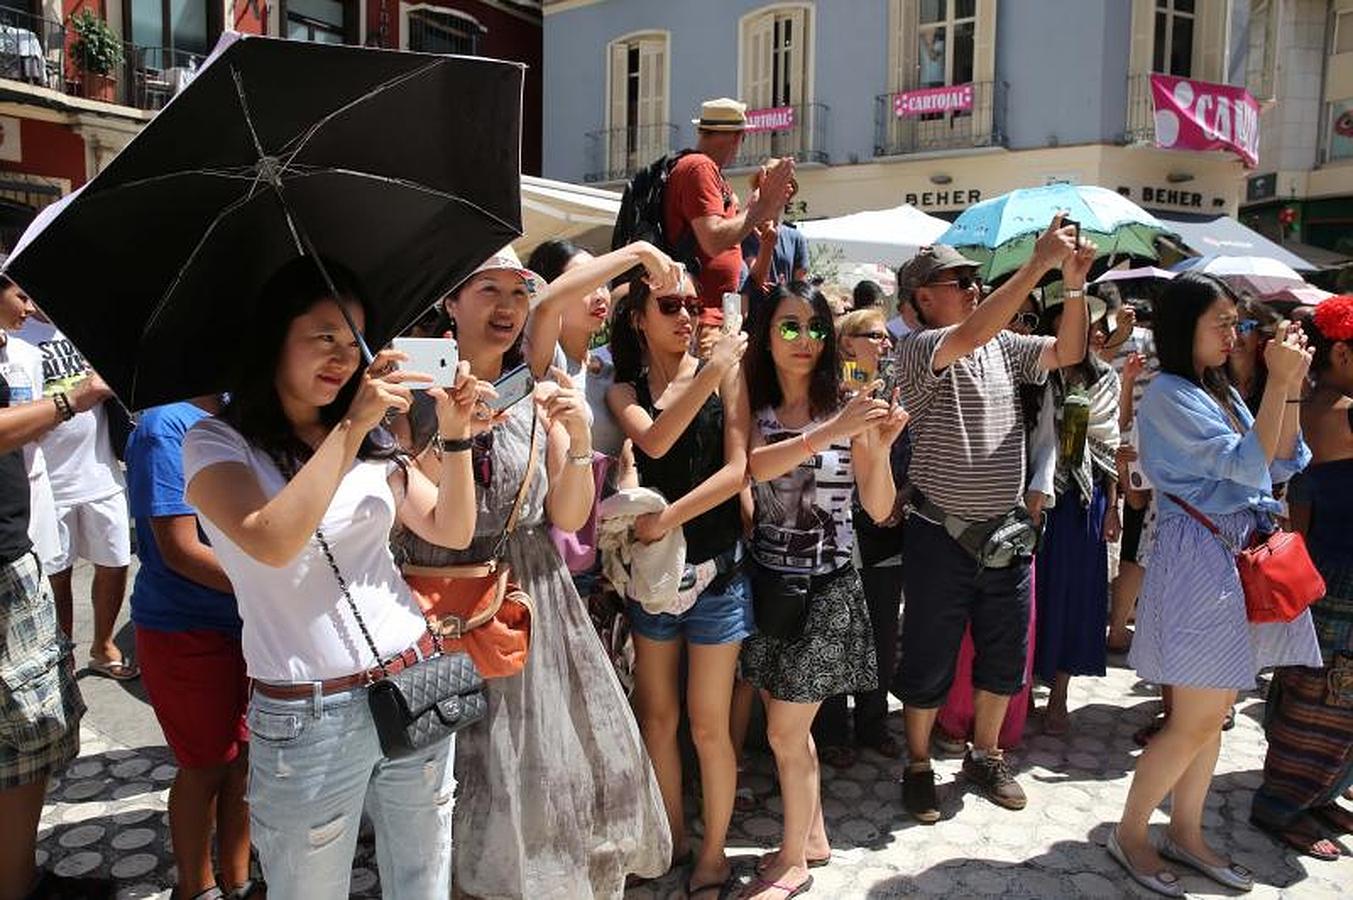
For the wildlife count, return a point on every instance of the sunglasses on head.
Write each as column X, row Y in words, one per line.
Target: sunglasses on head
column 963, row 282
column 670, row 306
column 818, row 329
column 1026, row 320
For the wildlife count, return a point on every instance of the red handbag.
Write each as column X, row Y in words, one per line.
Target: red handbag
column 1276, row 572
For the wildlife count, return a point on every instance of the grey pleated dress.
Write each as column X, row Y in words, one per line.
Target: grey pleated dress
column 556, row 797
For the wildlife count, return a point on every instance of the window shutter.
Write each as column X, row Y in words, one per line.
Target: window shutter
column 1210, row 40
column 984, row 42
column 1143, row 36
column 652, row 98
column 798, row 92
column 907, row 36
column 756, row 88
column 616, row 146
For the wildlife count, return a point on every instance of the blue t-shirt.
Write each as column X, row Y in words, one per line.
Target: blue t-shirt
column 163, row 599
column 791, row 254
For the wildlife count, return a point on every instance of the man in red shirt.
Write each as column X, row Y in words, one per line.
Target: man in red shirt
column 699, row 199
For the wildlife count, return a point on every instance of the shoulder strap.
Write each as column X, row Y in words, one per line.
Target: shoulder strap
column 1201, row 519
column 526, row 481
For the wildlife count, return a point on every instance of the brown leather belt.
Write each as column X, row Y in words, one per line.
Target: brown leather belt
column 306, row 689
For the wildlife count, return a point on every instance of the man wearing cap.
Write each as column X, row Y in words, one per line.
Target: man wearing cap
column 699, row 200
column 969, row 535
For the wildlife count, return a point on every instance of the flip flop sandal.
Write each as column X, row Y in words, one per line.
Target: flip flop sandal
column 1335, row 817
column 817, row 863
column 758, row 885
column 116, row 669
column 1304, row 838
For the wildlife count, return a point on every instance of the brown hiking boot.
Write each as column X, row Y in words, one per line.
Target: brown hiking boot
column 918, row 794
column 992, row 774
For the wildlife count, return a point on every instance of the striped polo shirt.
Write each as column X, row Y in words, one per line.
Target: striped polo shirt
column 967, row 425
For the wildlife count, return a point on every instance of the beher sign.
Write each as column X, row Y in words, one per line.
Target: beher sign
column 1199, row 115
column 962, row 197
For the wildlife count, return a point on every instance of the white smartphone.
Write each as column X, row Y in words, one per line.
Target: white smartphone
column 512, row 387
column 732, row 313
column 436, row 357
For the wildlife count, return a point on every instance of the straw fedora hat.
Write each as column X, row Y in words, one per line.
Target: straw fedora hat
column 723, row 114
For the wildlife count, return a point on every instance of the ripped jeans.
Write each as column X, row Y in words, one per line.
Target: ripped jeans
column 313, row 765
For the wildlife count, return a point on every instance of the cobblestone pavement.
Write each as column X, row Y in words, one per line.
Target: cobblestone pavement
column 106, row 814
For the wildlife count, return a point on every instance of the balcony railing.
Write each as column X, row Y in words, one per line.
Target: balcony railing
column 36, row 51
column 617, row 153
column 1141, row 113
column 981, row 125
column 32, row 49
column 805, row 138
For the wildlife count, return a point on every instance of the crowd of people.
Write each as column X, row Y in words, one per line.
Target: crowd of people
column 702, row 504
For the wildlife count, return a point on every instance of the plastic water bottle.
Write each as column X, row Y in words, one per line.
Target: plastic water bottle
column 1075, row 423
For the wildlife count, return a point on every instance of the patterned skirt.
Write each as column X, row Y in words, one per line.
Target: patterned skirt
column 834, row 655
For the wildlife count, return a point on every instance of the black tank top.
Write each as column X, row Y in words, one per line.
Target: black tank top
column 694, row 458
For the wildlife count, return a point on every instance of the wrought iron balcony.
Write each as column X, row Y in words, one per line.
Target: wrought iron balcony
column 615, row 154
column 972, row 117
column 32, row 49
column 794, row 131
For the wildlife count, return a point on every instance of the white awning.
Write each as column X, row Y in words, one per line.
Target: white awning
column 557, row 209
column 887, row 236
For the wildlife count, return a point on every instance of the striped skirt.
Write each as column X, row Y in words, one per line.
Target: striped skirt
column 1191, row 625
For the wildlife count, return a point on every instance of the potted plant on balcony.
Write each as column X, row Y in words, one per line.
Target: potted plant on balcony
column 97, row 51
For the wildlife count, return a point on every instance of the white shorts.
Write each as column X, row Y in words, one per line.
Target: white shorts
column 97, row 531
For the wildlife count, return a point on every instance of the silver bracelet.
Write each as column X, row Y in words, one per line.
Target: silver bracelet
column 575, row 459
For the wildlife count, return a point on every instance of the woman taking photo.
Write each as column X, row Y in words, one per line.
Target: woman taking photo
column 1309, row 713
column 688, row 421
column 862, row 337
column 290, row 486
column 809, row 452
column 555, row 796
column 1199, row 443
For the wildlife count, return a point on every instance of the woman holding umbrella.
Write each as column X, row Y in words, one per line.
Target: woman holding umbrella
column 556, row 796
column 292, row 490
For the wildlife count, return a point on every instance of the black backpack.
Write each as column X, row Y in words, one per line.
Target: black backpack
column 642, row 215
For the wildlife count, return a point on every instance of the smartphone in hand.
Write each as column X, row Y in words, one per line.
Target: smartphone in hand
column 436, row 357
column 512, row 388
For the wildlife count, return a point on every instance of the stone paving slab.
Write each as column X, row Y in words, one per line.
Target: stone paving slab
column 107, row 813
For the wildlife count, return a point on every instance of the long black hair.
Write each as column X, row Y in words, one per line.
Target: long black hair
column 627, row 341
column 446, row 325
column 550, row 258
column 763, row 384
column 254, row 408
column 1181, row 306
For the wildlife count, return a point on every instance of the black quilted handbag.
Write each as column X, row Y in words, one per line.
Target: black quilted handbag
column 423, row 703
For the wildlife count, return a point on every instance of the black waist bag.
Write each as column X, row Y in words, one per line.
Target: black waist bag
column 779, row 601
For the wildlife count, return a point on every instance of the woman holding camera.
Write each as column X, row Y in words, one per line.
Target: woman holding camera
column 556, row 798
column 1201, row 445
column 809, row 453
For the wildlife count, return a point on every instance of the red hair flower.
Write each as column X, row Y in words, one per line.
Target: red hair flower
column 1334, row 318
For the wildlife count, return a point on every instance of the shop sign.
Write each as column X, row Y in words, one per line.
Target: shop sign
column 777, row 118
column 1155, row 196
column 1199, row 115
column 960, row 197
column 929, row 101
column 11, row 148
column 1341, row 130
column 1261, row 187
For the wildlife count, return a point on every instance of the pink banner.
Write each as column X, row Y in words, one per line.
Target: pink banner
column 954, row 98
column 1198, row 115
column 777, row 118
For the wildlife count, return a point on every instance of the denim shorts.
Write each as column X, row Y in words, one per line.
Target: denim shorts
column 721, row 615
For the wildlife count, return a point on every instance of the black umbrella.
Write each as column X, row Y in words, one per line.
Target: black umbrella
column 403, row 167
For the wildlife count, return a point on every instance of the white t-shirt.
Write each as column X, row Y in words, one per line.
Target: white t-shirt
column 21, row 364
column 80, row 460
column 594, row 378
column 297, row 626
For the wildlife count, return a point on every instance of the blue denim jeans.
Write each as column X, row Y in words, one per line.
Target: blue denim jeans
column 313, row 765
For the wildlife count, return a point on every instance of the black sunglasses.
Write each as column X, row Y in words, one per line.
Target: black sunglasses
column 670, row 306
column 1026, row 320
column 963, row 282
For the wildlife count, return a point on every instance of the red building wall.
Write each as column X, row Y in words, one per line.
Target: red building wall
column 509, row 37
column 49, row 149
